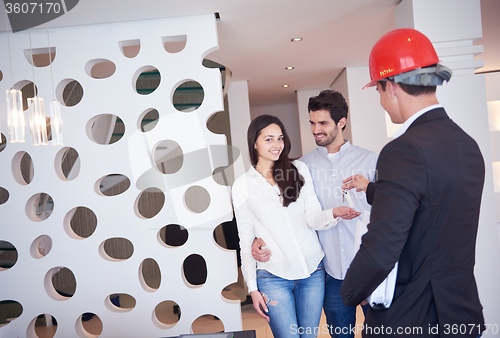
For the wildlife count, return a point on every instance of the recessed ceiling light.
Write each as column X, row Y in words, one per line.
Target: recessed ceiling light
column 285, row 86
column 296, row 39
column 289, row 68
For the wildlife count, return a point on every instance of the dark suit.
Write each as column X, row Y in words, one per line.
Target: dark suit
column 425, row 215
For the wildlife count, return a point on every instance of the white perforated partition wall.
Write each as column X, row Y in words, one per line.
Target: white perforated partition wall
column 161, row 173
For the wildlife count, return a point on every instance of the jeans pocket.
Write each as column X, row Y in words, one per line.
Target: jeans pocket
column 261, row 273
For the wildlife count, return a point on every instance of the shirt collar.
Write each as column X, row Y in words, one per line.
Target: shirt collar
column 324, row 150
column 412, row 119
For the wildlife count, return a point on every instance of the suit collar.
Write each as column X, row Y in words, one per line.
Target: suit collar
column 431, row 115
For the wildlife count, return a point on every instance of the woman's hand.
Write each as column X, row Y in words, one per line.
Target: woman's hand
column 259, row 254
column 345, row 213
column 259, row 304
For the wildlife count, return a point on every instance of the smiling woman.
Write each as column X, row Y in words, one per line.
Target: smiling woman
column 275, row 201
column 270, row 143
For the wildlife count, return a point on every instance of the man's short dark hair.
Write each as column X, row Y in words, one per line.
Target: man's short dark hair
column 332, row 101
column 411, row 89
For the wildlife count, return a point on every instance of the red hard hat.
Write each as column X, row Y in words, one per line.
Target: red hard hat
column 400, row 51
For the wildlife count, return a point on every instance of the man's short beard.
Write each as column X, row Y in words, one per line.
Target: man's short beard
column 326, row 142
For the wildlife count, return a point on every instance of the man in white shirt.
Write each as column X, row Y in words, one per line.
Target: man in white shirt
column 334, row 160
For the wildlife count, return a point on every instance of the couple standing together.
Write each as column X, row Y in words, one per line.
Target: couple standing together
column 309, row 221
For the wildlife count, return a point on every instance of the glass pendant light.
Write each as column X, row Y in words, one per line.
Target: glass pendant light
column 15, row 116
column 15, row 113
column 56, row 123
column 38, row 122
column 36, row 111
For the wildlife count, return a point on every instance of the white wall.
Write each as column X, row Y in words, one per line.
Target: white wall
column 239, row 117
column 288, row 114
column 493, row 98
column 97, row 276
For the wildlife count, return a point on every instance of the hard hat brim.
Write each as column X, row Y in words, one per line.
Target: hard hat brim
column 371, row 84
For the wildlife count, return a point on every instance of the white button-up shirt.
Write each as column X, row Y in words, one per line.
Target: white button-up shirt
column 289, row 232
column 341, row 242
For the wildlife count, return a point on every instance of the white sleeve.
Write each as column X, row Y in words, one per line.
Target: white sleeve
column 372, row 174
column 316, row 218
column 246, row 232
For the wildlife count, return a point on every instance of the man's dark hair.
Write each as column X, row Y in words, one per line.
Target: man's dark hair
column 411, row 89
column 332, row 101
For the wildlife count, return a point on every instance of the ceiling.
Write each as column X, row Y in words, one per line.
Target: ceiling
column 255, row 37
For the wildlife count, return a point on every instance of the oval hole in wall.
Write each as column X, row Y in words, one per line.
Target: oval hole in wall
column 89, row 325
column 39, row 207
column 67, row 164
column 207, row 324
column 150, row 275
column 41, row 246
column 100, row 68
column 23, row 169
column 44, row 325
column 27, row 168
column 223, row 175
column 9, row 311
column 218, row 123
column 1, row 76
column 168, row 157
column 60, row 283
column 69, row 92
column 174, row 44
column 168, row 313
column 146, row 80
column 105, row 129
column 197, row 199
column 173, row 235
column 80, row 222
column 3, row 144
column 8, row 255
column 4, row 195
column 112, row 184
column 40, row 57
column 120, row 302
column 149, row 202
column 130, row 48
column 117, row 249
column 194, row 269
column 188, row 96
column 225, row 74
column 226, row 235
column 148, row 119
column 228, row 293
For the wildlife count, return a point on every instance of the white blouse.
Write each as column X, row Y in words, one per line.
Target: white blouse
column 288, row 232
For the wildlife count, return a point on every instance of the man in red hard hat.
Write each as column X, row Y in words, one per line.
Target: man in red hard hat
column 425, row 203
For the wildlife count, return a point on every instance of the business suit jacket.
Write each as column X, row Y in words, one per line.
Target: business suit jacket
column 425, row 214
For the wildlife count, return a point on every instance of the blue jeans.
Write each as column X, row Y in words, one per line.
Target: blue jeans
column 340, row 318
column 294, row 305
